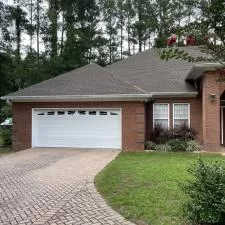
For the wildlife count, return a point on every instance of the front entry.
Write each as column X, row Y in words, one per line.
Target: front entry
column 222, row 122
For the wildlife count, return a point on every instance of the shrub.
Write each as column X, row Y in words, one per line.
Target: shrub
column 206, row 191
column 160, row 134
column 5, row 111
column 177, row 145
column 6, row 136
column 150, row 145
column 193, row 146
column 184, row 132
column 163, row 148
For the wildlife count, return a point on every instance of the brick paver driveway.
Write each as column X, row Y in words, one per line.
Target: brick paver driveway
column 54, row 187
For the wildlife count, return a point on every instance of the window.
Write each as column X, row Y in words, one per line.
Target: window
column 61, row 113
column 114, row 114
column 161, row 114
column 92, row 112
column 71, row 113
column 51, row 113
column 41, row 114
column 181, row 114
column 103, row 113
column 81, row 112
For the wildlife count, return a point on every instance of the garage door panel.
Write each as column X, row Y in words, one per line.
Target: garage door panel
column 70, row 129
column 80, row 126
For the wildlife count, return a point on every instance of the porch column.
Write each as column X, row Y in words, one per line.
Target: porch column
column 211, row 112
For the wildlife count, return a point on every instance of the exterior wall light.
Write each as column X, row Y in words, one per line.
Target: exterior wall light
column 212, row 97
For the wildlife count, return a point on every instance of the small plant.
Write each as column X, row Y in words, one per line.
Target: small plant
column 150, row 145
column 193, row 146
column 6, row 136
column 163, row 148
column 177, row 145
column 206, row 191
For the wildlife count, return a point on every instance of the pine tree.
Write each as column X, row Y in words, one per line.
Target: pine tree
column 110, row 12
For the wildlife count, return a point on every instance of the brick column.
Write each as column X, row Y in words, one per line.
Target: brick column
column 211, row 112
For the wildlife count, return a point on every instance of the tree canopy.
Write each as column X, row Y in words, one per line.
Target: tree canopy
column 208, row 32
column 40, row 39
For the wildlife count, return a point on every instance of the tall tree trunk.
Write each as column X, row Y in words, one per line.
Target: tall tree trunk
column 31, row 23
column 90, row 54
column 62, row 34
column 128, row 35
column 139, row 42
column 18, row 25
column 110, row 42
column 38, row 34
column 18, row 34
column 53, row 16
column 139, row 29
column 121, row 38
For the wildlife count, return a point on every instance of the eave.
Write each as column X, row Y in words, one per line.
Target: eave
column 198, row 70
column 95, row 98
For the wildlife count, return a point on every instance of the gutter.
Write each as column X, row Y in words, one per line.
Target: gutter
column 86, row 98
column 67, row 98
column 174, row 94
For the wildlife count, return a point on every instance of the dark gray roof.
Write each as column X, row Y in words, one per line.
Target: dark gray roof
column 142, row 74
column 150, row 73
column 88, row 80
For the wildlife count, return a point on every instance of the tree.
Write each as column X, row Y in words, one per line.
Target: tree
column 19, row 17
column 129, row 16
column 121, row 22
column 211, row 32
column 110, row 13
column 140, row 26
column 53, row 13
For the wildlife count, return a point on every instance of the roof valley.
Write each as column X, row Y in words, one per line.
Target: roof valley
column 127, row 82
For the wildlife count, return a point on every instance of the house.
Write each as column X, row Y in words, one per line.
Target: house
column 117, row 106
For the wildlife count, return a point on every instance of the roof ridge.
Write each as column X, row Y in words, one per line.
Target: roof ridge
column 126, row 81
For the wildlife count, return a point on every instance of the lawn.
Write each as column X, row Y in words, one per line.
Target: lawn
column 5, row 150
column 144, row 187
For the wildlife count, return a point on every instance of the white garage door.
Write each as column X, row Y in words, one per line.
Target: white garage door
column 82, row 128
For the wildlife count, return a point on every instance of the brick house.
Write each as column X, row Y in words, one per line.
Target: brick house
column 117, row 106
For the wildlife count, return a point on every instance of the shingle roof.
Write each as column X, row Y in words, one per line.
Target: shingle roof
column 142, row 74
column 88, row 80
column 149, row 72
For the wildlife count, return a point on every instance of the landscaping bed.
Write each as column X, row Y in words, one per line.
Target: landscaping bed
column 144, row 187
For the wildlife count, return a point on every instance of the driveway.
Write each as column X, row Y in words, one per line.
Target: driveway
column 54, row 187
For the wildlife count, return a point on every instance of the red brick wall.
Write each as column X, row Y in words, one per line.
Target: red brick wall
column 195, row 114
column 211, row 111
column 133, row 121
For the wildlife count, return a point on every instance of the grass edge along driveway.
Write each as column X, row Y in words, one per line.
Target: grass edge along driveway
column 5, row 150
column 144, row 187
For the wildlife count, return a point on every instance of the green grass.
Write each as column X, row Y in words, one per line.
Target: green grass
column 1, row 141
column 5, row 150
column 144, row 187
